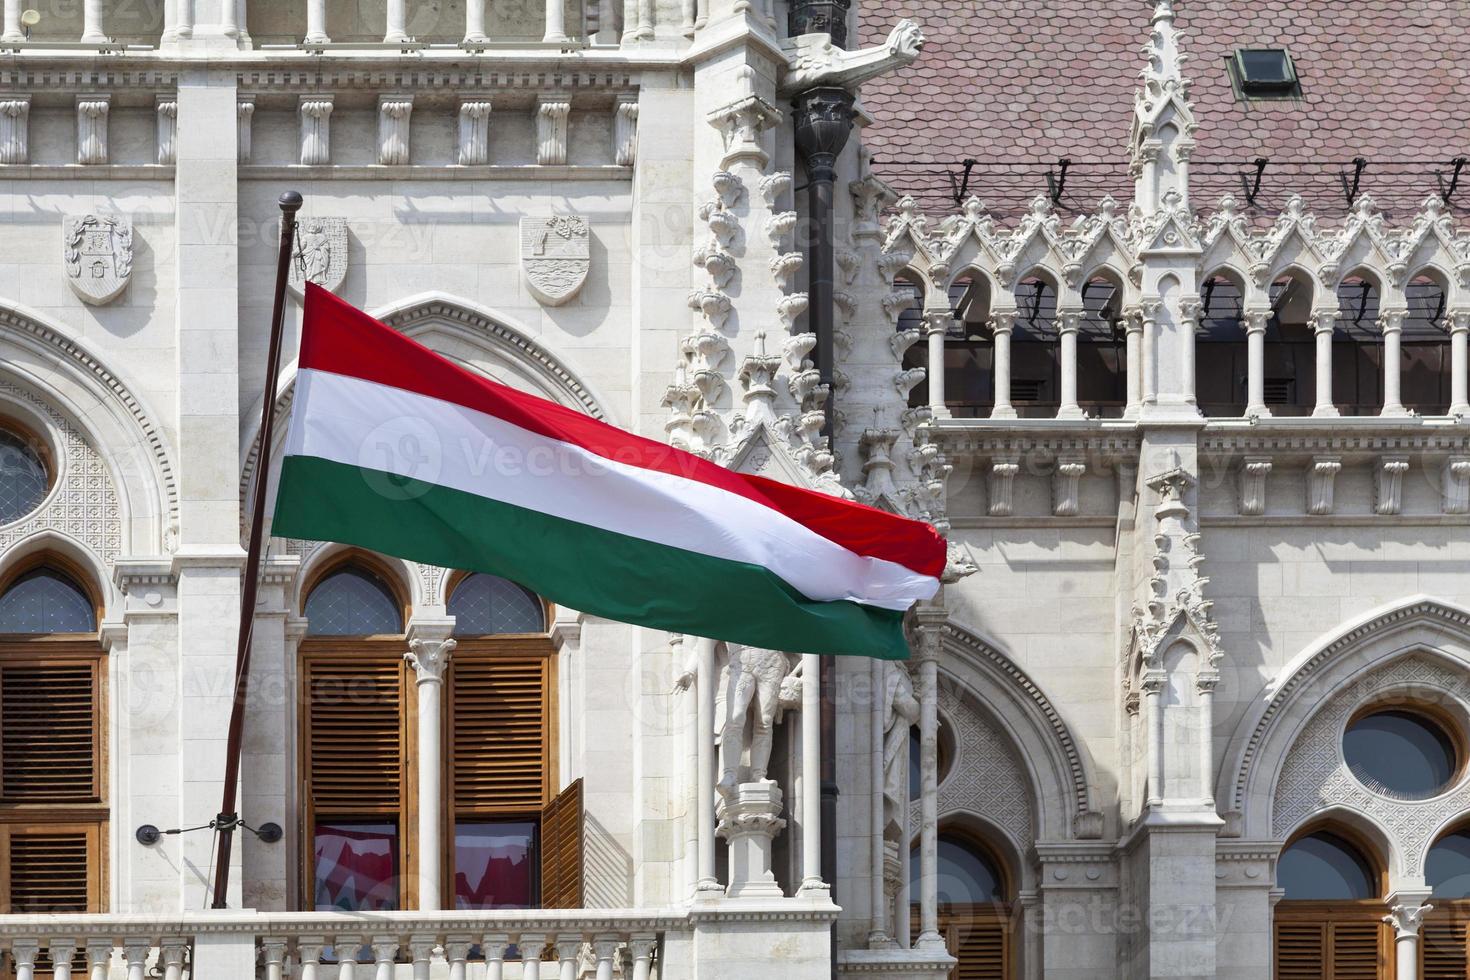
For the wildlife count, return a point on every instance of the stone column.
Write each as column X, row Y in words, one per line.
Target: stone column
column 229, row 18
column 1391, row 322
column 1153, row 686
column 556, row 24
column 397, row 20
column 316, row 22
column 878, row 936
column 1134, row 339
column 936, row 326
column 1406, row 917
column 1326, row 322
column 1001, row 324
column 607, row 15
column 1205, row 683
column 92, row 32
column 1189, row 314
column 1148, row 391
column 474, row 22
column 1459, row 370
column 1069, row 322
column 811, row 783
column 12, row 30
column 1255, row 356
column 931, row 621
column 429, row 649
column 705, row 764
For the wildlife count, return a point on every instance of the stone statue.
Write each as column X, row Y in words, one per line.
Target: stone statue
column 900, row 714
column 755, row 685
column 315, row 252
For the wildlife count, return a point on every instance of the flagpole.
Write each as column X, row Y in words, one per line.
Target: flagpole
column 229, row 819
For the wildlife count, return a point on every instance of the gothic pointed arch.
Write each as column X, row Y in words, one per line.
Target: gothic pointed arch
column 1272, row 771
column 90, row 411
column 1055, row 765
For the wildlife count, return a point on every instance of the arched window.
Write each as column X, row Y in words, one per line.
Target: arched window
column 517, row 842
column 1221, row 359
column 1357, row 348
column 1035, row 364
column 1425, row 348
column 1102, row 360
column 969, row 352
column 1290, row 356
column 1442, row 939
column 355, row 727
column 53, row 796
column 1328, row 923
column 975, row 897
column 25, row 479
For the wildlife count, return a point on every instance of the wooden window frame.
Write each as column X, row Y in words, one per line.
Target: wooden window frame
column 1328, row 915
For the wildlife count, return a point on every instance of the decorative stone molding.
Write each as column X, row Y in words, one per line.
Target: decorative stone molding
column 474, row 132
column 813, row 60
column 1253, row 473
column 986, row 777
column 1321, row 477
column 1001, row 481
column 756, row 373
column 555, row 256
column 749, row 819
column 625, row 131
column 741, row 122
column 15, row 116
column 320, row 254
column 1407, row 919
column 244, row 128
column 1388, row 484
column 1456, row 485
column 167, row 110
column 92, row 112
column 394, row 115
column 429, row 658
column 97, row 256
column 551, row 130
column 316, row 131
column 1066, row 483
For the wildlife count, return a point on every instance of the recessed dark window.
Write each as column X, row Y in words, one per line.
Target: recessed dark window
column 1447, row 869
column 1324, row 867
column 1264, row 73
column 1402, row 754
column 967, row 875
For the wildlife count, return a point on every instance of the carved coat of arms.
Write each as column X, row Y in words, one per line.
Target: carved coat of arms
column 555, row 256
column 320, row 255
column 97, row 254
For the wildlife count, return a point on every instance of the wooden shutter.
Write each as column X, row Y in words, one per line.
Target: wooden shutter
column 354, row 735
column 498, row 732
column 48, row 732
column 1301, row 950
column 1357, row 952
column 48, row 868
column 1442, row 948
column 1328, row 945
column 978, row 941
column 561, row 850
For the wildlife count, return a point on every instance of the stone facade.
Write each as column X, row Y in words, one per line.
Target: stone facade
column 1153, row 625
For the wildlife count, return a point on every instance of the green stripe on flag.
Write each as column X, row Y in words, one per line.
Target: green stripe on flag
column 586, row 568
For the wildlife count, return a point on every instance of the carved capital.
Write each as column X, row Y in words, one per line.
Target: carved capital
column 1407, row 919
column 429, row 658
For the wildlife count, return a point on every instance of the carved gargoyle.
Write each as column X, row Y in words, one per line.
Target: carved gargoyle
column 812, row 59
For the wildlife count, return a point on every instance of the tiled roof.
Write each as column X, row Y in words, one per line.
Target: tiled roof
column 1019, row 84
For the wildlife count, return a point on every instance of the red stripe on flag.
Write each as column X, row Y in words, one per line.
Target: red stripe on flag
column 342, row 339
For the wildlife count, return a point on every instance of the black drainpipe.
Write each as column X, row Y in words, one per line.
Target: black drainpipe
column 823, row 120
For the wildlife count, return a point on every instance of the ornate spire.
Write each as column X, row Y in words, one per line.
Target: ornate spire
column 1163, row 116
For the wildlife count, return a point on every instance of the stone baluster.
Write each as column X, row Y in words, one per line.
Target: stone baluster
column 568, row 948
column 99, row 956
column 23, row 953
column 604, row 949
column 62, row 952
column 1459, row 322
column 421, row 955
column 936, row 327
column 1069, row 323
column 178, row 19
column 346, row 948
column 474, row 22
column 556, row 23
column 385, row 951
column 309, row 955
column 15, row 128
column 92, row 111
column 229, row 18
column 135, row 954
column 641, row 947
column 316, row 22
column 1001, row 323
column 1391, row 322
column 931, row 621
column 172, row 949
column 1324, row 323
column 492, row 947
column 457, row 952
column 430, row 648
column 1133, row 338
column 92, row 32
column 397, row 30
column 1406, row 918
column 531, row 945
column 12, row 31
column 272, row 954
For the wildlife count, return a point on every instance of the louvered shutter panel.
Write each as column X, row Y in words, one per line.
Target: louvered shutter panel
column 498, row 733
column 48, row 869
column 561, row 850
column 355, row 734
column 1301, row 950
column 1442, row 945
column 48, row 733
column 1356, row 950
column 980, row 946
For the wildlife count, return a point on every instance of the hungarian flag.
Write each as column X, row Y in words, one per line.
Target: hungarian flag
column 396, row 449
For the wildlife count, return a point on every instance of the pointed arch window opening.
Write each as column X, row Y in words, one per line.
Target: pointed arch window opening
column 1424, row 348
column 353, row 601
column 969, row 353
column 975, row 900
column 1102, row 351
column 46, row 600
column 1357, row 348
column 1289, row 384
column 488, row 605
column 1036, row 368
